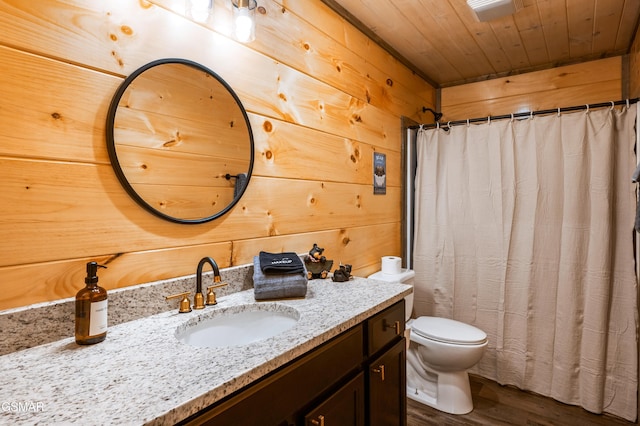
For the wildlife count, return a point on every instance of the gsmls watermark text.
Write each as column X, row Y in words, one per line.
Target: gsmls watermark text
column 22, row 406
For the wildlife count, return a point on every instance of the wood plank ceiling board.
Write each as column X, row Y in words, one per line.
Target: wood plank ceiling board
column 607, row 16
column 628, row 25
column 441, row 24
column 533, row 40
column 511, row 42
column 553, row 16
column 484, row 37
column 406, row 41
column 443, row 41
column 580, row 17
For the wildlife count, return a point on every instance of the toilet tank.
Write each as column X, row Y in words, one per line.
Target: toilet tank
column 406, row 276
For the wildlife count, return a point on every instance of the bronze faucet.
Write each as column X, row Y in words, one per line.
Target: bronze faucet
column 198, row 300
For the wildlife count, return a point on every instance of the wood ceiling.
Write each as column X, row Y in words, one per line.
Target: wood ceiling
column 443, row 41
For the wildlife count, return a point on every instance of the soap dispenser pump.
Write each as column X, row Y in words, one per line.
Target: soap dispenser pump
column 91, row 309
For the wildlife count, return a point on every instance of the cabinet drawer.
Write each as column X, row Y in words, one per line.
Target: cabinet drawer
column 343, row 408
column 384, row 327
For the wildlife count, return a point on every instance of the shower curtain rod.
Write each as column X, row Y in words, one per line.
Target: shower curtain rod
column 525, row 114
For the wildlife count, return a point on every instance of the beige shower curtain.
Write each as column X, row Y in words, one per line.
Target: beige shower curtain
column 524, row 228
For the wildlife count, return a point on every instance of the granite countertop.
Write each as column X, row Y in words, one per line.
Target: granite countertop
column 141, row 374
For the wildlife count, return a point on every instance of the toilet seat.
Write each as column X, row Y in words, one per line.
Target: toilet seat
column 448, row 331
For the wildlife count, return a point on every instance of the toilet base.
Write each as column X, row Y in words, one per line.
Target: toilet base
column 452, row 393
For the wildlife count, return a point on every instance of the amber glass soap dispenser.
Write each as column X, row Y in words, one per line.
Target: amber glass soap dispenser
column 91, row 309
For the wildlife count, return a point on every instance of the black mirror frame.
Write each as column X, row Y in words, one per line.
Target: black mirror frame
column 111, row 146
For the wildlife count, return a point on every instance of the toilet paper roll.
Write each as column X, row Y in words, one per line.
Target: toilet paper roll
column 391, row 265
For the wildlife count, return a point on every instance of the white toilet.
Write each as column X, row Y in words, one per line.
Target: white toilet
column 439, row 352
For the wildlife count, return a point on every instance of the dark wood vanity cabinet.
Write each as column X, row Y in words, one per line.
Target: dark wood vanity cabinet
column 357, row 378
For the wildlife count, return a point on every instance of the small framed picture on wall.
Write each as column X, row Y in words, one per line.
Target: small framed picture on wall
column 379, row 173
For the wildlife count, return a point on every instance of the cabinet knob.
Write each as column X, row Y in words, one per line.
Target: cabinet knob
column 319, row 422
column 379, row 369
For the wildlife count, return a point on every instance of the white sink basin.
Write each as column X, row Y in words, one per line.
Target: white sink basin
column 237, row 325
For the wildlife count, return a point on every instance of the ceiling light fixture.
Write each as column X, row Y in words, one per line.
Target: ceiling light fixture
column 487, row 10
column 199, row 10
column 244, row 22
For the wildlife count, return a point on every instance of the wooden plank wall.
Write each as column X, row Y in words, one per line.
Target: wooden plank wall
column 589, row 82
column 321, row 98
column 634, row 67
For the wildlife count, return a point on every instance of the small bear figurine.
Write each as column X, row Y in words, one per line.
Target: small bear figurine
column 317, row 265
column 342, row 274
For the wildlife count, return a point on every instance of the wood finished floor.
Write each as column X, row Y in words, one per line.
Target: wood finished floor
column 505, row 405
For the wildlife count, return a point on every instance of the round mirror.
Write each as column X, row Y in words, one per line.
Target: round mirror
column 180, row 141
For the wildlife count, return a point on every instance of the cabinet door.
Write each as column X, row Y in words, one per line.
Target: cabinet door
column 388, row 388
column 385, row 327
column 343, row 408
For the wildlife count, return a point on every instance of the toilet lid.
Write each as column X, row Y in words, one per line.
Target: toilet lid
column 448, row 330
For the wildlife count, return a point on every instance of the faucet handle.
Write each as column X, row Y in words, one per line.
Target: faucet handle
column 185, row 304
column 211, row 295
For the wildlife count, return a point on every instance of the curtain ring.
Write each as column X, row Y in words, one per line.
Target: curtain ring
column 627, row 103
column 558, row 111
column 437, row 124
column 531, row 115
column 613, row 105
column 449, row 124
column 421, row 127
column 489, row 120
column 468, row 123
column 512, row 117
column 587, row 111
